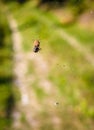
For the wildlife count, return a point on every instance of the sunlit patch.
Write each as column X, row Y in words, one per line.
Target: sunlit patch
column 25, row 99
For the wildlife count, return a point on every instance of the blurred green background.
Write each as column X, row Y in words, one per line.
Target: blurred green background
column 6, row 74
column 71, row 74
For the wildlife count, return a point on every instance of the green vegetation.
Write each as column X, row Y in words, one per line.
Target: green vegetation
column 71, row 74
column 6, row 75
column 84, row 36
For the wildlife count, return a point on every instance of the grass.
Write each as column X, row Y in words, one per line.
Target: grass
column 39, row 91
column 69, row 71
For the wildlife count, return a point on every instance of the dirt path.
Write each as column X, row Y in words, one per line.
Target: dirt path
column 29, row 104
column 42, row 69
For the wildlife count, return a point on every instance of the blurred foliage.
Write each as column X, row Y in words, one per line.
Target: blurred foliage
column 6, row 75
column 1, row 36
column 79, row 6
column 62, row 2
column 19, row 1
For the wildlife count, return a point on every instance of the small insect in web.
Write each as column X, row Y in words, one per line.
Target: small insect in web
column 36, row 46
